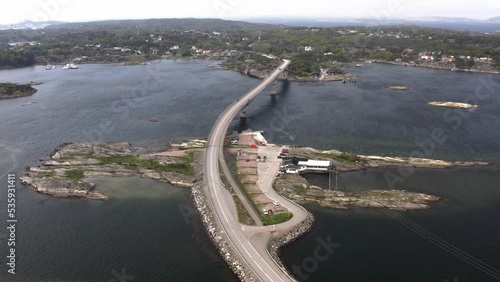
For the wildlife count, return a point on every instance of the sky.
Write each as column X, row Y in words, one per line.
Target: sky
column 14, row 11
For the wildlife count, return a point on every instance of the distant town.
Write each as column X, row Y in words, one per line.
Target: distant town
column 314, row 49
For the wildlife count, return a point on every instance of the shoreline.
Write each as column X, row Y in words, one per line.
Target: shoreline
column 64, row 173
column 345, row 162
column 433, row 67
column 17, row 90
column 53, row 178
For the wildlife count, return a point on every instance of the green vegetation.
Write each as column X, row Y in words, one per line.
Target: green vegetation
column 300, row 190
column 75, row 174
column 140, row 40
column 12, row 58
column 46, row 174
column 243, row 216
column 134, row 162
column 276, row 218
column 343, row 157
column 14, row 90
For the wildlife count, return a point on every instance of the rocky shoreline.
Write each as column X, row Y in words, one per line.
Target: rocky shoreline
column 14, row 90
column 212, row 227
column 345, row 162
column 297, row 188
column 64, row 173
column 453, row 105
column 446, row 68
column 276, row 243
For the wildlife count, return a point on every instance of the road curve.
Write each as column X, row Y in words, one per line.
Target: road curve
column 217, row 194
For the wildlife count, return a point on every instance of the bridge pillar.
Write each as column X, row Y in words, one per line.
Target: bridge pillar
column 243, row 119
column 243, row 115
column 273, row 89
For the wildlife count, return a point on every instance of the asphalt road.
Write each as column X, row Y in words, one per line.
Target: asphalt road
column 217, row 194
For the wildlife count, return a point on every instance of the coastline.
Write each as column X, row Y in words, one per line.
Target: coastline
column 53, row 178
column 64, row 173
column 17, row 90
column 433, row 67
column 345, row 162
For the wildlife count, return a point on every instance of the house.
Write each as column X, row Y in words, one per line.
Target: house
column 409, row 50
column 175, row 47
column 194, row 48
column 308, row 48
column 206, row 52
column 314, row 166
column 426, row 57
column 447, row 59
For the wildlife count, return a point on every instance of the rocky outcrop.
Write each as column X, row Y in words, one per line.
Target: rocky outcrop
column 453, row 105
column 64, row 173
column 299, row 190
column 344, row 162
column 63, row 188
column 398, row 87
column 274, row 245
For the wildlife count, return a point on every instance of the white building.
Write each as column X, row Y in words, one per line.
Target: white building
column 314, row 166
column 308, row 48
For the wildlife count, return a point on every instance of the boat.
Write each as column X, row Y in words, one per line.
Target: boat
column 70, row 66
column 359, row 65
column 50, row 67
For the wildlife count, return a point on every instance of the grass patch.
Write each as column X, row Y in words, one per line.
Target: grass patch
column 75, row 174
column 300, row 190
column 135, row 162
column 344, row 157
column 276, row 218
column 243, row 215
column 46, row 174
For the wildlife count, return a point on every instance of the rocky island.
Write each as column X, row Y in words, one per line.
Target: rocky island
column 296, row 188
column 454, row 105
column 344, row 162
column 260, row 65
column 64, row 173
column 397, row 87
column 14, row 90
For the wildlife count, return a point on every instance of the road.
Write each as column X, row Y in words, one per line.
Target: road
column 265, row 269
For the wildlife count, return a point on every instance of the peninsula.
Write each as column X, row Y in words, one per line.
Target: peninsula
column 14, row 90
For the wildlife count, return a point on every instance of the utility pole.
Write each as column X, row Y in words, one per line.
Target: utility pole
column 336, row 174
column 329, row 178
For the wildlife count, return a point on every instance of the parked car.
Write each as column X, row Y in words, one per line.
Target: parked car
column 270, row 212
column 276, row 203
column 265, row 212
column 280, row 156
column 234, row 142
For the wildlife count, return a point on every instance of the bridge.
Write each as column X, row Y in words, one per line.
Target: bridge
column 250, row 243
